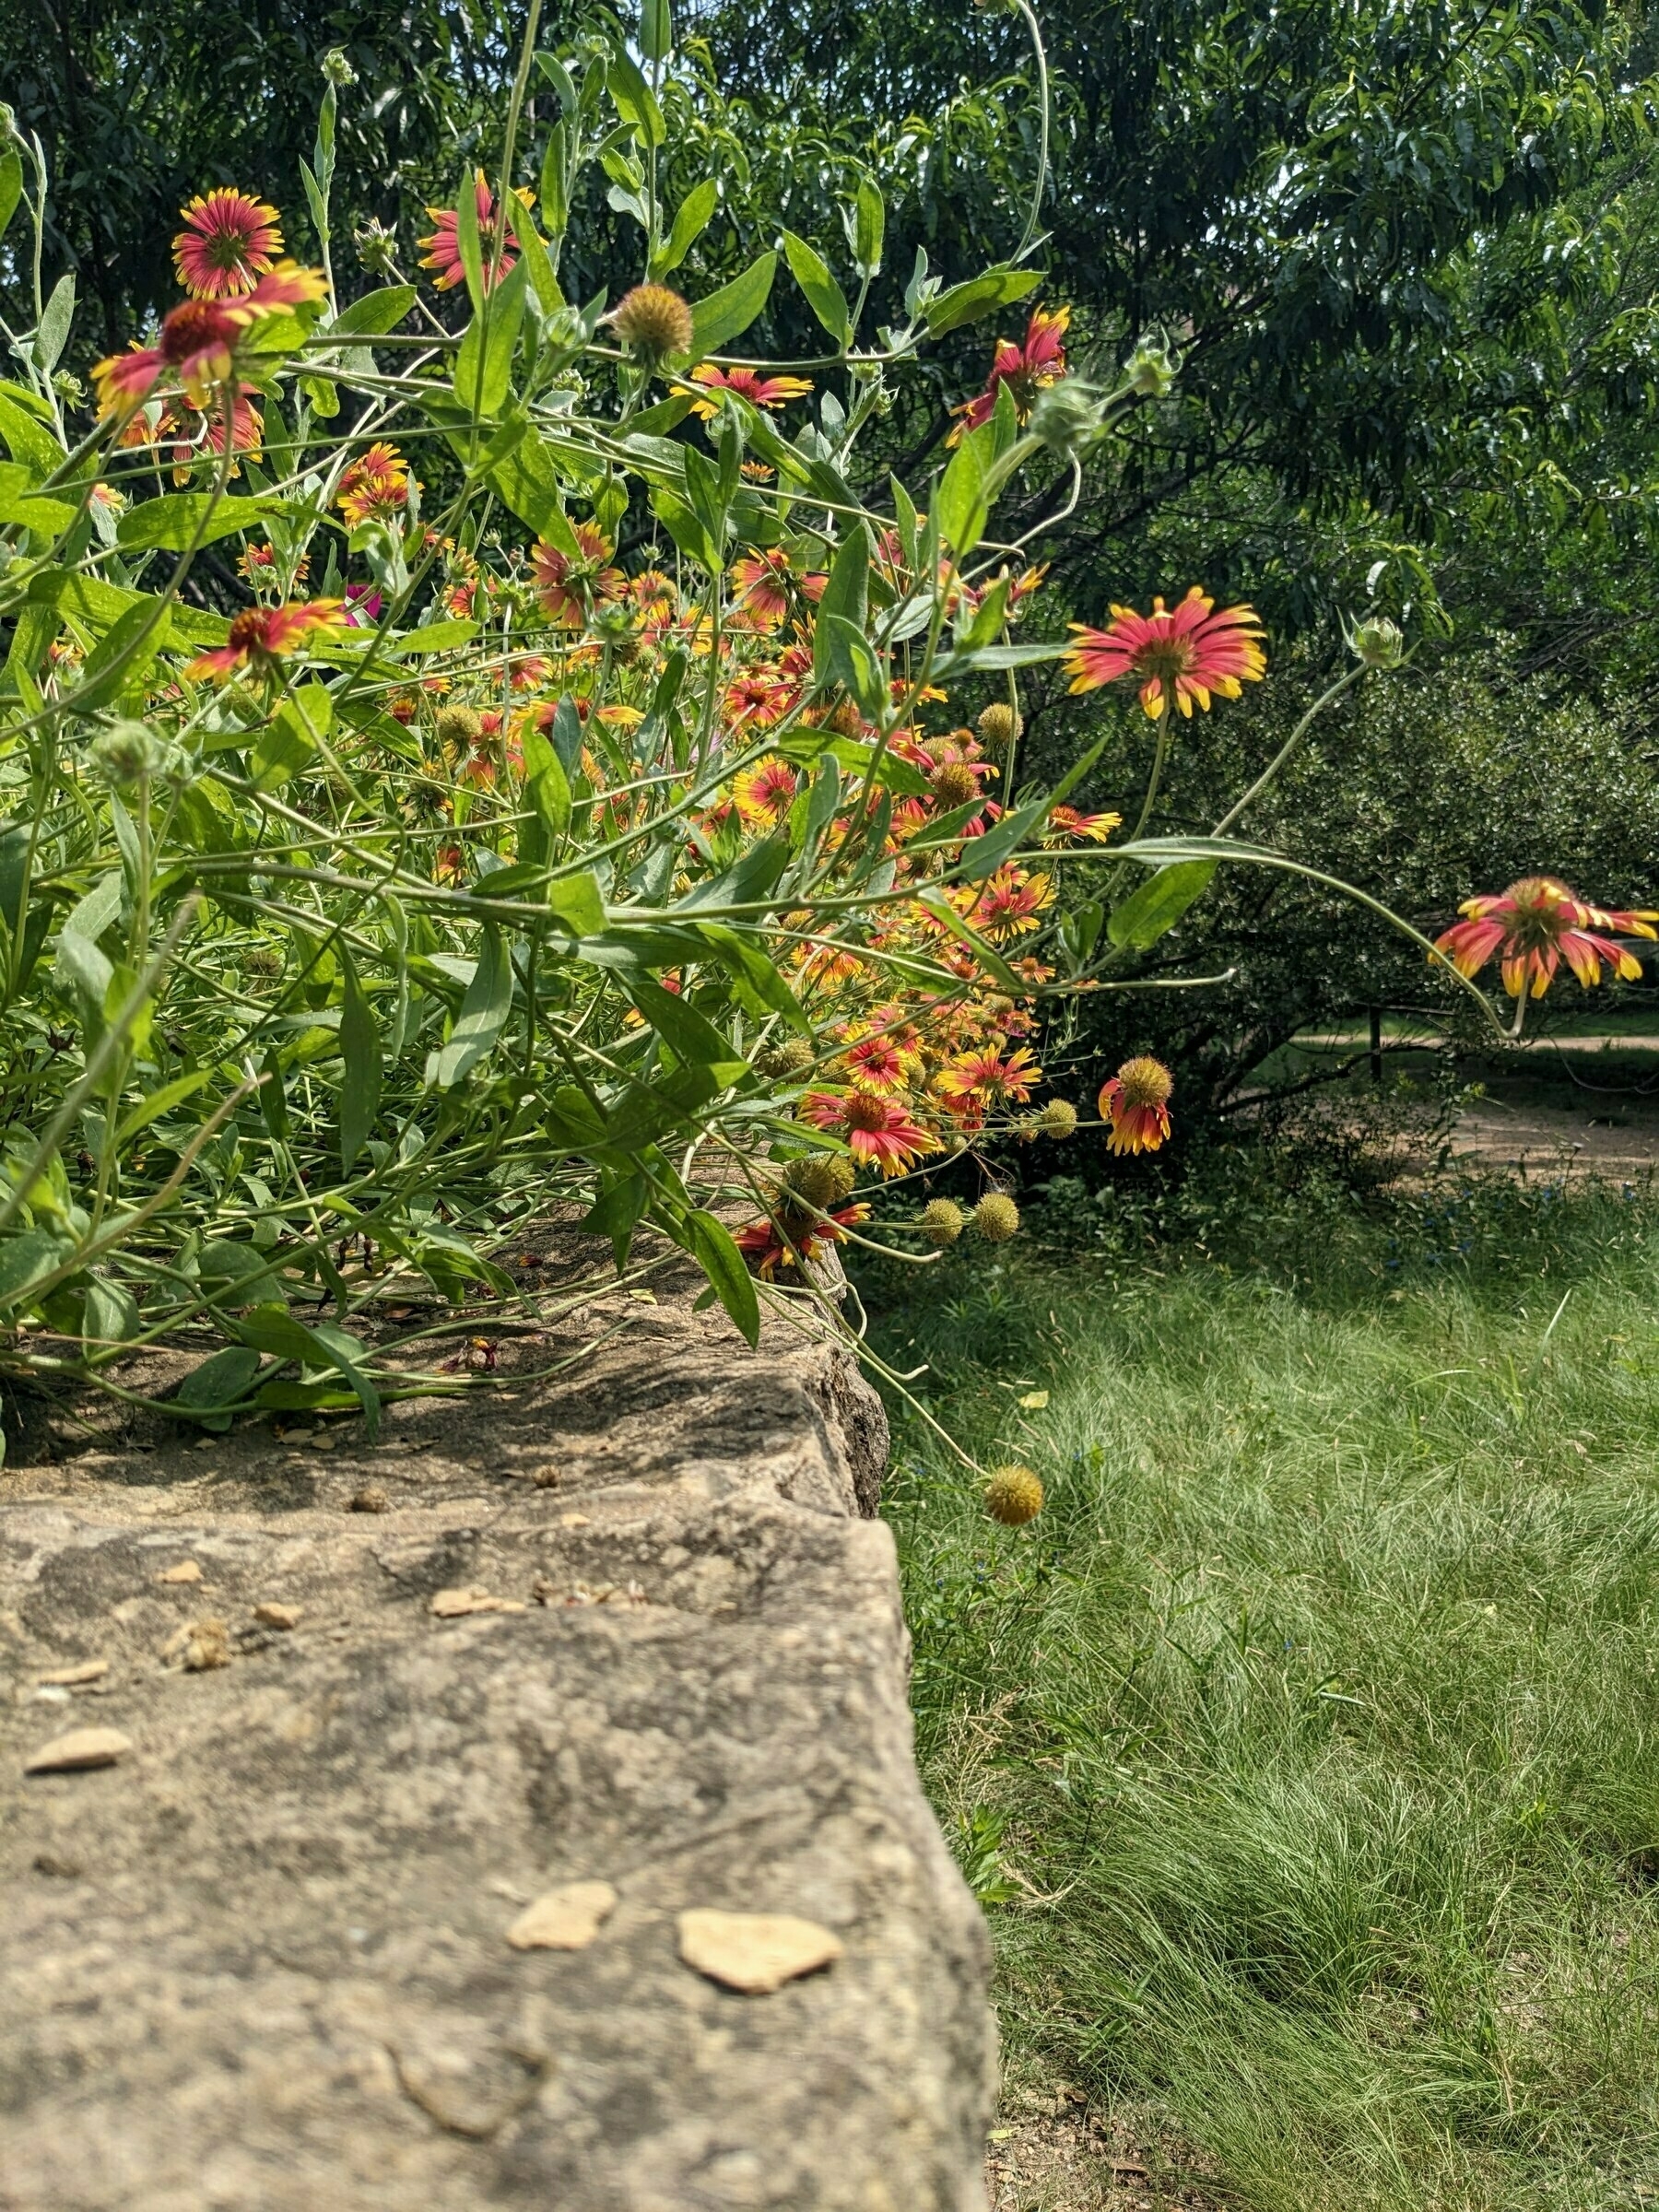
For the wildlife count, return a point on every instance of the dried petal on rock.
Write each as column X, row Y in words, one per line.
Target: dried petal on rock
column 449, row 1605
column 80, row 1749
column 199, row 1646
column 574, row 1521
column 372, row 1500
column 187, row 1570
column 566, row 1919
column 274, row 1616
column 89, row 1670
column 755, row 1952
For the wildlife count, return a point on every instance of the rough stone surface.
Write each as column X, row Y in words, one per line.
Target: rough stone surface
column 261, row 1964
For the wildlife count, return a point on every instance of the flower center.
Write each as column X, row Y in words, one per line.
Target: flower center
column 865, row 1112
column 1146, row 1082
column 247, row 630
column 194, row 327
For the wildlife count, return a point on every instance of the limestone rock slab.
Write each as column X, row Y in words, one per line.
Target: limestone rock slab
column 262, row 1962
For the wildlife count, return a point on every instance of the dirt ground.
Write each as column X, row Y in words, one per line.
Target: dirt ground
column 1051, row 2152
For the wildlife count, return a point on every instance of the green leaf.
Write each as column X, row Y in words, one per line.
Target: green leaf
column 212, row 1389
column 483, row 1013
column 980, row 296
column 1159, row 903
column 466, row 240
column 717, row 1257
column 110, row 1314
column 20, row 503
column 691, row 1036
column 484, row 365
column 854, row 662
column 962, row 507
column 578, row 902
column 157, row 1103
column 53, row 332
column 824, row 296
column 548, row 788
column 183, row 518
column 360, row 1051
column 846, row 594
column 656, row 30
column 635, row 101
column 123, row 656
column 274, row 1330
column 695, row 213
column 28, row 1259
column 869, row 225
column 528, row 482
column 750, row 966
column 285, row 746
column 31, row 442
column 375, row 312
column 539, row 263
column 727, row 314
column 11, row 185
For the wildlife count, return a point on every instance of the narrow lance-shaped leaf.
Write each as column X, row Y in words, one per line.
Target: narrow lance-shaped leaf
column 360, row 1053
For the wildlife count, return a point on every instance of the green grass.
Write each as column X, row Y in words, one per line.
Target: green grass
column 1306, row 1749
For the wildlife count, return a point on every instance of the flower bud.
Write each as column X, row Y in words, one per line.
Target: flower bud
column 1377, row 641
column 127, row 752
column 1149, row 372
column 1067, row 418
column 376, row 247
column 1013, row 1496
column 336, row 68
column 943, row 1221
column 995, row 1217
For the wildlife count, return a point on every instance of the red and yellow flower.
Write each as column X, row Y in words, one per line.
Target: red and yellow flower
column 1179, row 654
column 879, row 1130
column 261, row 635
column 765, row 794
column 1135, row 1104
column 229, row 241
column 762, row 391
column 1025, row 369
column 1537, row 924
column 443, row 247
column 988, row 1077
column 1010, row 903
column 771, row 1244
column 565, row 583
column 198, row 342
column 376, row 483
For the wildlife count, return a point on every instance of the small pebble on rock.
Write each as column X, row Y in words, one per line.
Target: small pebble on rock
column 755, row 1952
column 449, row 1605
column 187, row 1570
column 80, row 1749
column 566, row 1919
column 372, row 1500
column 274, row 1616
column 88, row 1670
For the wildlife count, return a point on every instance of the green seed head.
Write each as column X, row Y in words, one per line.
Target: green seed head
column 1013, row 1496
column 995, row 1217
column 943, row 1221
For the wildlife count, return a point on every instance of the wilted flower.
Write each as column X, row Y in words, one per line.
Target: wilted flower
column 1181, row 655
column 1013, row 1496
column 995, row 1217
column 653, row 320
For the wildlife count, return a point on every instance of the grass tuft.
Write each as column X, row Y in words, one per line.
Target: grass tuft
column 1306, row 1749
